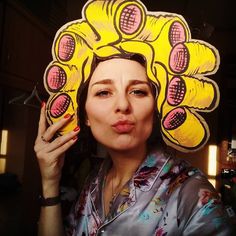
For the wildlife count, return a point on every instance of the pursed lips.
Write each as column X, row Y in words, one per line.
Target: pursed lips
column 123, row 126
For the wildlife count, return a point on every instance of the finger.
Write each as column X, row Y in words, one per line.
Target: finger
column 63, row 148
column 42, row 120
column 58, row 149
column 176, row 127
column 55, row 127
column 192, row 58
column 201, row 94
column 63, row 103
column 62, row 140
column 173, row 33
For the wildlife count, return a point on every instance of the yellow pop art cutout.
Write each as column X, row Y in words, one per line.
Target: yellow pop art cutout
column 177, row 64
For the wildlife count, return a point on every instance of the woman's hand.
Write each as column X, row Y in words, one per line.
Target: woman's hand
column 50, row 152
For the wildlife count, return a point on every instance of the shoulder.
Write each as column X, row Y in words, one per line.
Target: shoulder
column 200, row 208
column 195, row 193
column 177, row 172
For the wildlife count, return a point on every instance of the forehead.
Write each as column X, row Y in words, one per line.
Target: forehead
column 119, row 68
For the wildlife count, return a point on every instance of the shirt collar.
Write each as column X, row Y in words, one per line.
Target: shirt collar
column 143, row 179
column 150, row 170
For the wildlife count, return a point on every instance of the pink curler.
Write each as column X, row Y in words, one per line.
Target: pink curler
column 174, row 119
column 130, row 19
column 59, row 105
column 56, row 78
column 177, row 33
column 179, row 58
column 176, row 91
column 66, row 47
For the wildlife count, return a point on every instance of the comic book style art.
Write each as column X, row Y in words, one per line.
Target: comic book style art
column 177, row 64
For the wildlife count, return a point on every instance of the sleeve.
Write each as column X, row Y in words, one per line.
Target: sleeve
column 77, row 210
column 70, row 222
column 200, row 210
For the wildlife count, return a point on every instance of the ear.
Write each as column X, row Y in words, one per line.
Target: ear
column 87, row 122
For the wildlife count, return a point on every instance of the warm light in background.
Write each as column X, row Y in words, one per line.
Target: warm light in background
column 213, row 182
column 2, row 165
column 3, row 150
column 212, row 163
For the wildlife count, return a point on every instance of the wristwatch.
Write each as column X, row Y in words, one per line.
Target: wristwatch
column 51, row 201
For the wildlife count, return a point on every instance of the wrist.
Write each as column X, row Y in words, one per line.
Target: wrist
column 50, row 189
column 51, row 201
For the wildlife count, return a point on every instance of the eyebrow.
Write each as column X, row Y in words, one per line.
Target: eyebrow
column 131, row 82
column 104, row 81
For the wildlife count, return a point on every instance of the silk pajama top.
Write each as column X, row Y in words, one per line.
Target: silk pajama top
column 165, row 196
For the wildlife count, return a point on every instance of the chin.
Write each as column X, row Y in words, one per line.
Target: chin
column 122, row 143
column 126, row 146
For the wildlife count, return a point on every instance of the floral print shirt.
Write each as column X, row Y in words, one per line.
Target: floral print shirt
column 166, row 196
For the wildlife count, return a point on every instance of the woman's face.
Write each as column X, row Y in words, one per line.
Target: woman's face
column 120, row 104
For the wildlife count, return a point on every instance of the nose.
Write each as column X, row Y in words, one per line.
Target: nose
column 122, row 104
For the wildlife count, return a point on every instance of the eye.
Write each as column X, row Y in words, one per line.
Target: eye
column 102, row 93
column 139, row 92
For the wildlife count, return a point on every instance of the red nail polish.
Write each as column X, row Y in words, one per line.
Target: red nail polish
column 75, row 138
column 67, row 116
column 76, row 129
column 43, row 104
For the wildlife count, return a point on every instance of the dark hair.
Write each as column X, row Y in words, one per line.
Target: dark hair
column 86, row 138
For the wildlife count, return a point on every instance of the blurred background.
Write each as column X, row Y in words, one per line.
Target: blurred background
column 27, row 30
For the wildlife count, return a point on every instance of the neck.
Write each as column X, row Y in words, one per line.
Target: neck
column 125, row 163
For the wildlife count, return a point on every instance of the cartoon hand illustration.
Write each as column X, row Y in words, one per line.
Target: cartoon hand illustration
column 183, row 97
column 177, row 64
column 63, row 77
column 75, row 47
column 184, row 89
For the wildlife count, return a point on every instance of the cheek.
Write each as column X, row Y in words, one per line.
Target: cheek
column 95, row 113
column 146, row 120
column 89, row 113
column 146, row 114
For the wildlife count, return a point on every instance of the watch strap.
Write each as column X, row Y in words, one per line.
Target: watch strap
column 51, row 201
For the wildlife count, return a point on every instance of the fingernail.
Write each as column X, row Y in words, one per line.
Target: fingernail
column 43, row 104
column 76, row 129
column 67, row 116
column 75, row 138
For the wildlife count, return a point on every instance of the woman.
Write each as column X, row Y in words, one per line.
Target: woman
column 139, row 189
